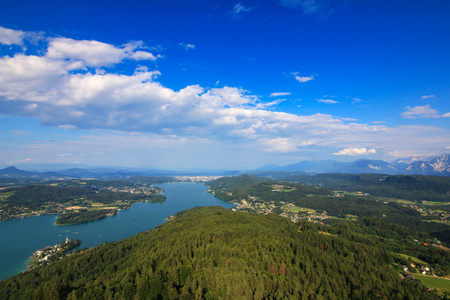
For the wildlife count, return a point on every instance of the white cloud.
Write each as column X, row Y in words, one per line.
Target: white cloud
column 327, row 101
column 11, row 37
column 187, row 46
column 269, row 104
column 142, row 55
column 22, row 68
column 302, row 79
column 280, row 94
column 356, row 151
column 427, row 96
column 238, row 9
column 424, row 111
column 94, row 53
column 447, row 115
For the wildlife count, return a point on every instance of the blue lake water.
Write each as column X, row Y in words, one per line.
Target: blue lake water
column 20, row 238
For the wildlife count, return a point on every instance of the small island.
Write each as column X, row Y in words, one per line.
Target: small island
column 50, row 254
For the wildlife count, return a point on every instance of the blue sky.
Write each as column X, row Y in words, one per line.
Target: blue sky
column 222, row 84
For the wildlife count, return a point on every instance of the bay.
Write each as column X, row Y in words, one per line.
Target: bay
column 20, row 238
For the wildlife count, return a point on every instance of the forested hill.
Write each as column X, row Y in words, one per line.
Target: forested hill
column 233, row 182
column 213, row 253
column 411, row 187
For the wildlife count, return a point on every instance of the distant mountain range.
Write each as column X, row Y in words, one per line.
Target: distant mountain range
column 101, row 173
column 13, row 172
column 439, row 165
column 409, row 166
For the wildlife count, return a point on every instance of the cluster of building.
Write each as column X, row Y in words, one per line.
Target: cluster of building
column 51, row 253
column 282, row 188
column 136, row 190
column 196, row 178
column 284, row 210
column 438, row 214
column 23, row 212
column 413, row 268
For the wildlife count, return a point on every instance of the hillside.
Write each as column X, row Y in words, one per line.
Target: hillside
column 396, row 225
column 213, row 253
column 411, row 187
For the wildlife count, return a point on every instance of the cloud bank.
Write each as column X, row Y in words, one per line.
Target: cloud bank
column 424, row 111
column 75, row 84
column 61, row 88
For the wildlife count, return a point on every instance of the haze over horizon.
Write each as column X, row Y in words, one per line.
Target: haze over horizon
column 222, row 84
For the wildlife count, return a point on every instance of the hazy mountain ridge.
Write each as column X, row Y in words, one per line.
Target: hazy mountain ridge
column 102, row 173
column 439, row 165
column 13, row 172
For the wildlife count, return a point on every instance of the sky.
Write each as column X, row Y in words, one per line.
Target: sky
column 222, row 84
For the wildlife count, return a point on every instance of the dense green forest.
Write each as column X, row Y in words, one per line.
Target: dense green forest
column 34, row 197
column 213, row 253
column 8, row 182
column 83, row 216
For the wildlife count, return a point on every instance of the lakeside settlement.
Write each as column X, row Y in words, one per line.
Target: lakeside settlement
column 50, row 254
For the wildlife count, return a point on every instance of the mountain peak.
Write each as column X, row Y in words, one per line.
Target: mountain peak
column 439, row 165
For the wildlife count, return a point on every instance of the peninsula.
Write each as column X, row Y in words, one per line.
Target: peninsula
column 77, row 201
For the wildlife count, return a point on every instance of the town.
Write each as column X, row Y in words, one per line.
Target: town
column 282, row 208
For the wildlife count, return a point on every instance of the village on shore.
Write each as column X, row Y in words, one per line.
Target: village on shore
column 50, row 254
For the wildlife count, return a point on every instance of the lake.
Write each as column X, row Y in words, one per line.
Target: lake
column 20, row 238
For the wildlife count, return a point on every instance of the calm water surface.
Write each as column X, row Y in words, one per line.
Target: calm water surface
column 20, row 238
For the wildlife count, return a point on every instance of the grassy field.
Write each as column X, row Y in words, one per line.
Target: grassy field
column 438, row 283
column 298, row 209
column 437, row 221
column 390, row 199
column 435, row 203
column 413, row 259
